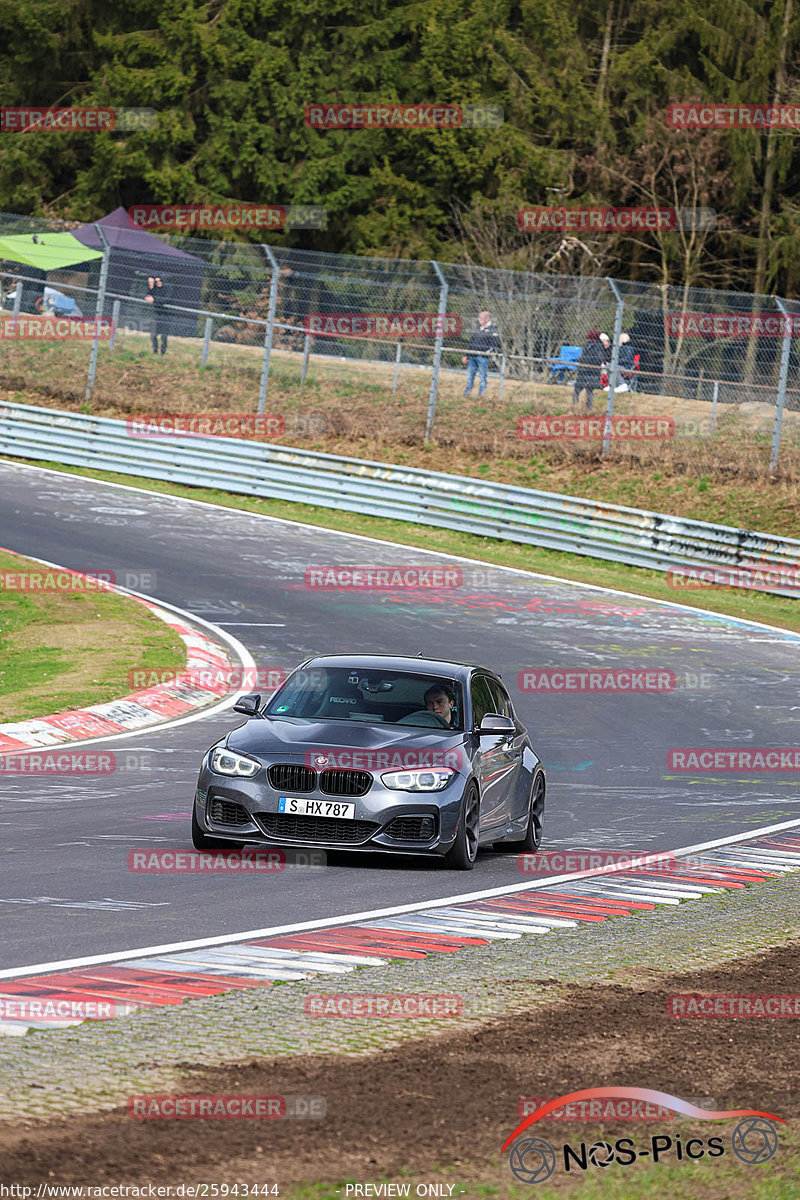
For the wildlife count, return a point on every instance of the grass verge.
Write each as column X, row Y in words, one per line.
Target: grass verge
column 66, row 649
column 350, row 408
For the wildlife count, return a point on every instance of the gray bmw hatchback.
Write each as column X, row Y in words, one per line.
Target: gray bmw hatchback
column 374, row 752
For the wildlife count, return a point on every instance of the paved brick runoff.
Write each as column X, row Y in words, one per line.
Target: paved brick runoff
column 160, row 1048
column 118, row 989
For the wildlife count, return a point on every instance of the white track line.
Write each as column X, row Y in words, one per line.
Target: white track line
column 332, row 922
column 373, row 915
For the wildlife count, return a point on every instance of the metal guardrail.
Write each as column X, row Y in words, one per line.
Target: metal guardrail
column 587, row 527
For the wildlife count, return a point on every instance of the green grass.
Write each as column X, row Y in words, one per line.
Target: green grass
column 64, row 650
column 778, row 611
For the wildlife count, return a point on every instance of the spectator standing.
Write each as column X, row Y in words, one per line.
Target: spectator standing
column 627, row 361
column 484, row 341
column 158, row 295
column 587, row 376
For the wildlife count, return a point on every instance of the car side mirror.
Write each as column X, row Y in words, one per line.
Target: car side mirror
column 494, row 723
column 248, row 706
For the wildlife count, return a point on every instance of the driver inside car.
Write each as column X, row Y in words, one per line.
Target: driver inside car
column 441, row 699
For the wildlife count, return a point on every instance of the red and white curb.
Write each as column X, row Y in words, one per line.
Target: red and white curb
column 113, row 985
column 202, row 681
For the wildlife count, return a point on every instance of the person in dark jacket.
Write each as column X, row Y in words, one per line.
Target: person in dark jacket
column 484, row 341
column 587, row 377
column 627, row 360
column 158, row 296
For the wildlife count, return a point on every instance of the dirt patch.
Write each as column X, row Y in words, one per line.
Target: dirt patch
column 446, row 1102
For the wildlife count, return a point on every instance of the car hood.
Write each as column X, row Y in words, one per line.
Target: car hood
column 296, row 738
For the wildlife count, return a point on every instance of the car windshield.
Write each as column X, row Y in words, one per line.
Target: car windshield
column 370, row 695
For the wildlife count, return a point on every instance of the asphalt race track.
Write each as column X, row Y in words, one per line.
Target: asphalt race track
column 65, row 889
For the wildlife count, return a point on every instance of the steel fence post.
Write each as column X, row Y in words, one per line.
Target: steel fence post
column 397, row 356
column 306, row 353
column 101, row 300
column 714, row 405
column 502, row 377
column 437, row 351
column 206, row 341
column 114, row 324
column 17, row 302
column 273, row 302
column 786, row 350
column 614, row 364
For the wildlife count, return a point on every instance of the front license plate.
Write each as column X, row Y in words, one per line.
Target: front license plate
column 316, row 808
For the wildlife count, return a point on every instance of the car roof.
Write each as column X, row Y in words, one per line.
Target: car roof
column 391, row 662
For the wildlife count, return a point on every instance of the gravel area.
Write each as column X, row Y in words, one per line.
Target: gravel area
column 98, row 1065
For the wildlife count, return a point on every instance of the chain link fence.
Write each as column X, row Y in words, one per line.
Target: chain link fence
column 722, row 366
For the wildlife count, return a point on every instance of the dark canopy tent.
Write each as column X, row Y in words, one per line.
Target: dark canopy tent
column 135, row 255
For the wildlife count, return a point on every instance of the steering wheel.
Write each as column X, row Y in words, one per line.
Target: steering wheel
column 433, row 718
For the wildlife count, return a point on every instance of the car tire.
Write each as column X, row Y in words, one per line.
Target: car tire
column 202, row 841
column 533, row 833
column 463, row 852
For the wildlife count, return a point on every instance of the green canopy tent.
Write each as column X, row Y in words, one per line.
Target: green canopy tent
column 41, row 253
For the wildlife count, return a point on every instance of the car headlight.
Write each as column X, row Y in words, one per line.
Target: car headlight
column 227, row 762
column 429, row 780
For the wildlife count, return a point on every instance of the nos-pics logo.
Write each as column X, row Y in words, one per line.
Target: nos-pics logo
column 754, row 1139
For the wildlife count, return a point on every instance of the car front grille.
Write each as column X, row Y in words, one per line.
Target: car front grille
column 290, row 777
column 223, row 812
column 345, row 783
column 295, row 828
column 411, row 829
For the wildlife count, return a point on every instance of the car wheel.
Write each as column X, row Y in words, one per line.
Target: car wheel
column 463, row 852
column 533, row 833
column 202, row 841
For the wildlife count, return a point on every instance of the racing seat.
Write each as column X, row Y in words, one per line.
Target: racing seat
column 340, row 703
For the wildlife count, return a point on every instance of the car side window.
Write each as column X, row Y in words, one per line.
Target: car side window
column 482, row 699
column 502, row 703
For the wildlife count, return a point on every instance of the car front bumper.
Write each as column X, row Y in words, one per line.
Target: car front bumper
column 246, row 810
